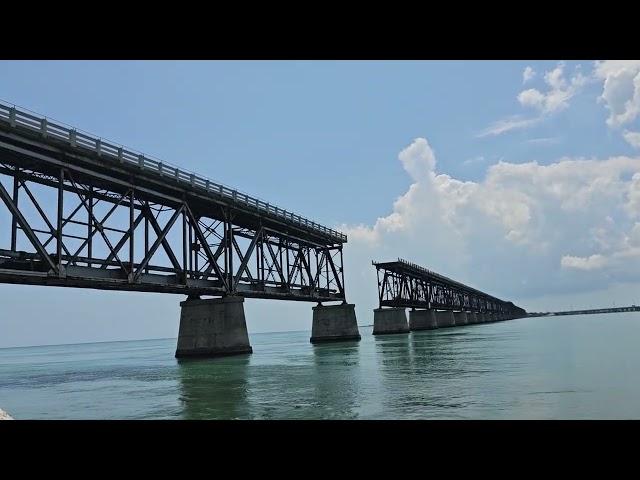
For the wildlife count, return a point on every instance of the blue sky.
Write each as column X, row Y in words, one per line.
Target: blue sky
column 324, row 138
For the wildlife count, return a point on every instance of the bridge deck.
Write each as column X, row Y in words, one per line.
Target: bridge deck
column 33, row 140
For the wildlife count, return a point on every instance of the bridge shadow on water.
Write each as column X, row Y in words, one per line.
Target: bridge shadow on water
column 336, row 382
column 214, row 388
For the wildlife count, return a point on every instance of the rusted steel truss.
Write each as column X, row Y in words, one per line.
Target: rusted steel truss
column 77, row 219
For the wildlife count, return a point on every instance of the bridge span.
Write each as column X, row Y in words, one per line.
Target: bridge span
column 79, row 211
column 435, row 300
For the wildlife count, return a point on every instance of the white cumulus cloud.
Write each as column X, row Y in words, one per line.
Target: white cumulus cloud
column 528, row 74
column 621, row 89
column 632, row 138
column 523, row 230
column 554, row 98
column 584, row 263
column 560, row 90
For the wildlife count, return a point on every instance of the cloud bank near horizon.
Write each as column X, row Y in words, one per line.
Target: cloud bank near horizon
column 525, row 230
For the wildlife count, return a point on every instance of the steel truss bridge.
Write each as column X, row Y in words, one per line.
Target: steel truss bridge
column 407, row 285
column 78, row 211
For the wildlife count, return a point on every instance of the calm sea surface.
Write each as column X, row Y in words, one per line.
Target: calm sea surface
column 540, row 368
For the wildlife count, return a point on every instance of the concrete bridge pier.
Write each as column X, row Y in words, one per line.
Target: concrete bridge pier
column 460, row 318
column 212, row 327
column 472, row 317
column 334, row 323
column 445, row 319
column 422, row 319
column 389, row 320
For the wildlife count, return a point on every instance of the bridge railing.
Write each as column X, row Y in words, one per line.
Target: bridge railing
column 19, row 118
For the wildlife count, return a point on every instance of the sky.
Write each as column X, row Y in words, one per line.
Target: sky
column 520, row 178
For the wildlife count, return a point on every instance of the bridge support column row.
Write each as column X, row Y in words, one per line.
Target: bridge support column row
column 389, row 320
column 217, row 327
column 393, row 320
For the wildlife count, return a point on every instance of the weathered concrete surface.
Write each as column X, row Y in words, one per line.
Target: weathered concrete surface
column 422, row 320
column 212, row 327
column 389, row 320
column 445, row 319
column 460, row 318
column 334, row 323
column 4, row 415
column 472, row 317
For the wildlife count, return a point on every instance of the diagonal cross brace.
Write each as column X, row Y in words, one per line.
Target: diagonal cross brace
column 26, row 228
column 157, row 243
column 203, row 241
column 245, row 260
column 165, row 244
column 123, row 240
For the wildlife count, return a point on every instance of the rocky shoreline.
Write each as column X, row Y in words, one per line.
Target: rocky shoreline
column 4, row 415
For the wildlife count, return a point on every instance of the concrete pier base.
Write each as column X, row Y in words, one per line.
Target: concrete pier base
column 472, row 317
column 389, row 320
column 460, row 318
column 422, row 320
column 445, row 319
column 212, row 327
column 334, row 323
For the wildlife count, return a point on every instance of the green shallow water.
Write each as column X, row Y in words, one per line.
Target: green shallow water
column 573, row 367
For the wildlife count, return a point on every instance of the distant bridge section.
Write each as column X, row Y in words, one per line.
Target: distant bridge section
column 405, row 284
column 436, row 301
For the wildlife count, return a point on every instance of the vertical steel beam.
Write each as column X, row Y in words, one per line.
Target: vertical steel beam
column 146, row 239
column 14, row 220
column 60, row 211
column 344, row 293
column 190, row 235
column 132, row 229
column 229, row 250
column 90, row 226
column 185, row 248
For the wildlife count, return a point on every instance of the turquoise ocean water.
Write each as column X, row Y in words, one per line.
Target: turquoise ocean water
column 573, row 367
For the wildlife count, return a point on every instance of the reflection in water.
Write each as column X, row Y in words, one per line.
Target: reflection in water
column 336, row 380
column 422, row 371
column 214, row 388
